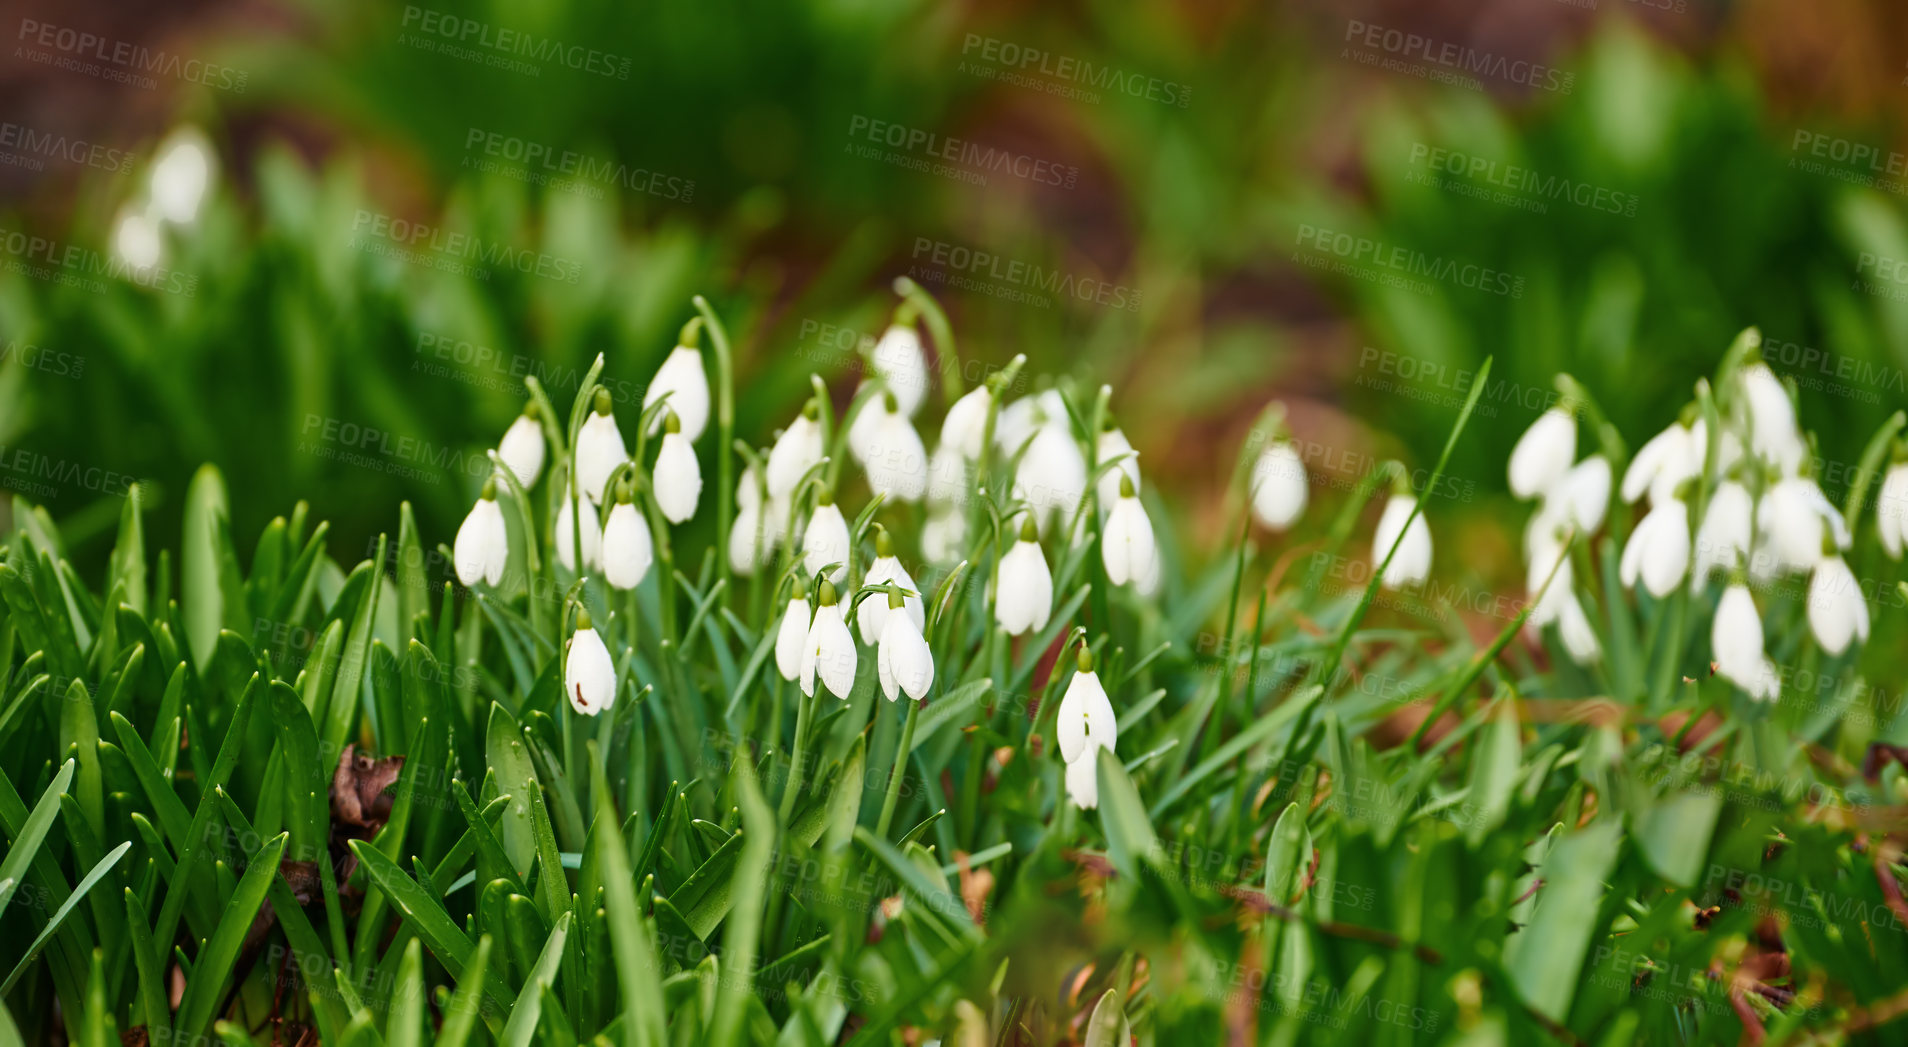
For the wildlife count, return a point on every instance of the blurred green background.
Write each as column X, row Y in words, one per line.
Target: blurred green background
column 1612, row 191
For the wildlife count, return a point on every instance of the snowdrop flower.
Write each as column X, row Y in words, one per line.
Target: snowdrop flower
column 1772, row 430
column 483, row 545
column 1581, row 497
column 1796, row 517
column 965, row 426
column 627, row 548
column 946, row 477
column 599, row 449
column 792, row 635
column 566, row 536
column 589, row 677
column 1085, row 724
column 1544, row 453
column 1023, row 587
column 136, row 239
column 901, row 363
column 1112, row 444
column 1722, row 540
column 522, row 446
column 1838, row 613
column 1548, row 552
column 829, row 650
column 1279, row 486
column 754, row 523
column 1127, row 546
column 181, row 176
column 1579, row 639
column 872, row 616
column 1052, row 474
column 891, row 451
column 1891, row 510
column 1658, row 550
column 903, row 661
column 1412, row 563
column 1735, row 641
column 678, row 474
column 1019, row 420
column 795, row 452
column 682, row 378
column 942, row 535
column 826, row 540
column 1669, row 458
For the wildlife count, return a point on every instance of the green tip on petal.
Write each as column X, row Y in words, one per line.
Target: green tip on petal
column 1027, row 531
column 824, row 497
column 1086, row 659
column 884, row 546
column 691, row 336
column 906, row 314
column 1126, row 484
column 892, row 405
column 489, row 493
column 825, row 596
column 800, row 591
column 671, row 424
column 583, row 619
column 811, row 411
column 531, row 410
column 603, row 400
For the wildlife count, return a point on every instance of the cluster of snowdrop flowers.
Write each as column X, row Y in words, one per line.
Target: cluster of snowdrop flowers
column 181, row 176
column 1572, row 497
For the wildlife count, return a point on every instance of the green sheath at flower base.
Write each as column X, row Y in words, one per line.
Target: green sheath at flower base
column 489, row 493
column 1085, row 659
column 825, row 596
column 604, row 402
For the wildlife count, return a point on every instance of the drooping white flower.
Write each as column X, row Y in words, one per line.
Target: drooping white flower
column 1891, row 510
column 599, row 449
column 902, row 364
column 1773, row 435
column 965, row 426
column 1411, row 565
column 946, row 478
column 1658, row 550
column 1019, row 420
column 1023, row 586
column 871, row 617
column 942, row 535
column 1544, row 453
column 1796, row 517
column 792, row 634
column 755, row 533
column 903, row 661
column 1127, row 546
column 829, row 651
column 592, row 530
column 482, row 550
column 1582, row 496
column 181, row 175
column 1722, row 540
column 522, row 446
column 682, row 378
column 589, row 677
column 1084, row 724
column 1838, row 612
column 891, row 451
column 1669, row 458
column 1279, row 485
column 1548, row 551
column 1112, row 444
column 627, row 547
column 1735, row 642
column 795, row 451
column 678, row 475
column 1579, row 639
column 1052, row 475
column 826, row 540
column 136, row 240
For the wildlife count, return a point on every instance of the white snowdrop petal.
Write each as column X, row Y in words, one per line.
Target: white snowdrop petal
column 1544, row 453
column 627, row 547
column 1279, row 486
column 589, row 677
column 683, row 379
column 789, row 638
column 826, row 542
column 599, row 450
column 566, row 536
column 678, row 478
column 522, row 449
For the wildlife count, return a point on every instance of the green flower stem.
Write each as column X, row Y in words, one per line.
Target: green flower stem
column 943, row 332
column 900, row 768
column 725, row 432
column 797, row 768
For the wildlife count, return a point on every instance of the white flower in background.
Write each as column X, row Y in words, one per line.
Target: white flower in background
column 1412, row 563
column 1669, row 458
column 1127, row 546
column 1582, row 496
column 943, row 535
column 482, row 549
column 871, row 617
column 792, row 635
column 965, row 426
column 903, row 661
column 752, row 525
column 1658, row 550
column 1113, row 444
column 891, row 452
column 1891, row 510
column 1735, row 642
column 599, row 449
column 829, row 651
column 1722, row 539
column 181, row 175
column 1838, row 612
column 1773, row 435
column 1279, row 485
column 1085, row 724
column 901, row 362
column 1579, row 639
column 589, row 677
column 522, row 446
column 566, row 536
column 1548, row 550
column 1019, row 420
column 826, row 540
column 946, row 477
column 627, row 548
column 1796, row 517
column 678, row 474
column 1544, row 453
column 1023, row 587
column 682, row 378
column 795, row 452
column 1052, row 475
column 136, row 239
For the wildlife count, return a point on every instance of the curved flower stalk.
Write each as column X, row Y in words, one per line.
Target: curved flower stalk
column 522, row 446
column 678, row 476
column 599, row 448
column 829, row 651
column 482, row 550
column 1085, row 724
column 1023, row 586
column 589, row 677
column 871, row 618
